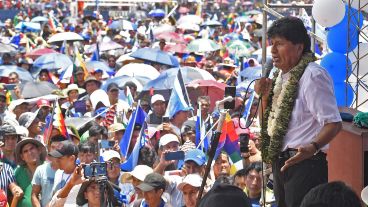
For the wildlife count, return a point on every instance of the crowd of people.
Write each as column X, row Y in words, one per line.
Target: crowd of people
column 95, row 140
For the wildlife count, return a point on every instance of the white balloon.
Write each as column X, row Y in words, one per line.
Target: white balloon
column 355, row 4
column 362, row 59
column 328, row 12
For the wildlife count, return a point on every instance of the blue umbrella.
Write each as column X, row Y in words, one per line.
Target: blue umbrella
column 157, row 13
column 98, row 65
column 251, row 73
column 23, row 74
column 122, row 25
column 52, row 62
column 28, row 27
column 166, row 78
column 40, row 19
column 156, row 56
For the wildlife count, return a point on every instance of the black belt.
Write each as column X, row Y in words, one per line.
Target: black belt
column 291, row 152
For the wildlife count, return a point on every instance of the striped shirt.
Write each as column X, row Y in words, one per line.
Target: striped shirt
column 6, row 176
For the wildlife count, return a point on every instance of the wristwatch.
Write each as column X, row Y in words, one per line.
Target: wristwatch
column 316, row 145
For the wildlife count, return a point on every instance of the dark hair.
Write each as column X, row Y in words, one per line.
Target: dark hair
column 257, row 166
column 292, row 29
column 223, row 179
column 87, row 147
column 203, row 98
column 95, row 130
column 14, row 73
column 333, row 194
column 240, row 173
column 86, row 127
column 147, row 157
column 44, row 71
column 57, row 138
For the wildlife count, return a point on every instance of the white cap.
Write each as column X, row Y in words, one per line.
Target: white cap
column 16, row 103
column 364, row 195
column 109, row 154
column 167, row 138
column 194, row 180
column 141, row 171
column 157, row 97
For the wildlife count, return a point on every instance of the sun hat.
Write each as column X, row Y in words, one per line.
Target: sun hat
column 27, row 118
column 22, row 143
column 72, row 87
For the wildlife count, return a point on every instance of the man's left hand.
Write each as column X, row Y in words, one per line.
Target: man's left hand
column 302, row 154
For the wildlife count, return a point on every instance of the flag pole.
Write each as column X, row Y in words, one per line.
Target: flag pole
column 134, row 120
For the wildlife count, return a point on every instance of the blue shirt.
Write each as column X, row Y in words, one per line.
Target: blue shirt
column 44, row 177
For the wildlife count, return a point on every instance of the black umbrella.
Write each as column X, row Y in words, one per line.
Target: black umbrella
column 36, row 89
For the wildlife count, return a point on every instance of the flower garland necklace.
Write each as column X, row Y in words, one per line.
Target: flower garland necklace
column 279, row 109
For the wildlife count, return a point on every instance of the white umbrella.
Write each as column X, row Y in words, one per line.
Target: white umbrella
column 69, row 36
column 104, row 46
column 39, row 19
column 138, row 69
column 188, row 26
column 190, row 18
column 124, row 57
column 163, row 28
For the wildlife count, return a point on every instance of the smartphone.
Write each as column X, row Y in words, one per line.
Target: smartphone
column 230, row 91
column 10, row 87
column 165, row 119
column 95, row 169
column 106, row 144
column 244, row 142
column 80, row 106
column 178, row 155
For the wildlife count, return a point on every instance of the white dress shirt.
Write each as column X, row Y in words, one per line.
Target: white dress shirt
column 314, row 107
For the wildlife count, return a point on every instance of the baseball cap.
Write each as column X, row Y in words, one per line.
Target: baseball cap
column 141, row 171
column 64, row 148
column 152, row 181
column 116, row 127
column 157, row 97
column 167, row 138
column 43, row 102
column 194, row 180
column 196, row 156
column 27, row 118
column 109, row 154
column 112, row 86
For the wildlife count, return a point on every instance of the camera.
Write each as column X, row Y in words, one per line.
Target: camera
column 95, row 169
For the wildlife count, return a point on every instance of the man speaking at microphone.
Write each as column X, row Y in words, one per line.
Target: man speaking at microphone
column 299, row 113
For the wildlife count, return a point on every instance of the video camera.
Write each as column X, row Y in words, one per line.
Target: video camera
column 95, row 169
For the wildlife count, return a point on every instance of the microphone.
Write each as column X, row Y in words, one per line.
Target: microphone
column 268, row 67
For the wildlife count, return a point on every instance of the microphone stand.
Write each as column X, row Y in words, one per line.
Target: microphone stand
column 211, row 154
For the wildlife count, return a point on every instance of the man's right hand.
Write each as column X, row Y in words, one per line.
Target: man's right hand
column 263, row 87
